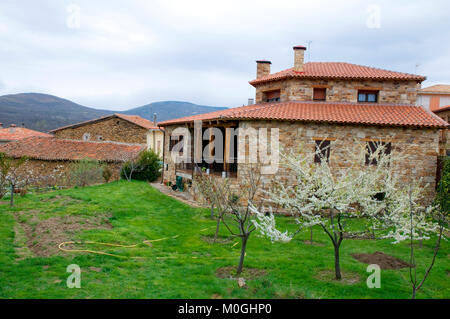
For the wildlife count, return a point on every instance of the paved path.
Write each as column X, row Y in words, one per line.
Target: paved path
column 184, row 197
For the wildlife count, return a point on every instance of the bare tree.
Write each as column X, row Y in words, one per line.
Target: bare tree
column 10, row 173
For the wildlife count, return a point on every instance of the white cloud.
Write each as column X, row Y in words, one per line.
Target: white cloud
column 131, row 53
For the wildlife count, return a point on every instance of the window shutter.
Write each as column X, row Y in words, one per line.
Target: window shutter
column 322, row 150
column 319, row 94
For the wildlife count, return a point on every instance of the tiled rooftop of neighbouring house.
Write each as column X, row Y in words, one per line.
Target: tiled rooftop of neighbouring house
column 50, row 148
column 18, row 133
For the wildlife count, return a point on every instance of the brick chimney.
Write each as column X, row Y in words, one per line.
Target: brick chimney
column 12, row 128
column 299, row 57
column 262, row 68
column 1, row 125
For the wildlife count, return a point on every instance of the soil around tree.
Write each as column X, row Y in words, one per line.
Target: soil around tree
column 381, row 259
column 229, row 272
column 42, row 237
column 348, row 278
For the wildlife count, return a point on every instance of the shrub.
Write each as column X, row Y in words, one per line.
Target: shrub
column 145, row 168
column 85, row 172
column 107, row 173
column 443, row 189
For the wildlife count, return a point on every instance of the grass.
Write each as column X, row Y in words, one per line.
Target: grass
column 139, row 212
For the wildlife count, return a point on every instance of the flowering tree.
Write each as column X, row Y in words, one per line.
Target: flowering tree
column 11, row 174
column 411, row 221
column 327, row 197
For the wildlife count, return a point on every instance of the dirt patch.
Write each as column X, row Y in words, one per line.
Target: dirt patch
column 348, row 278
column 43, row 237
column 247, row 273
column 381, row 259
column 220, row 239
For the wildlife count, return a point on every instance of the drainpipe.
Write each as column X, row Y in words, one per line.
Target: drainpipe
column 163, row 156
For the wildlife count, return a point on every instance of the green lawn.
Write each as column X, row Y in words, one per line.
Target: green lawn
column 139, row 212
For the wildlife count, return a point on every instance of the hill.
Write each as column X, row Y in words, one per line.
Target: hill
column 167, row 110
column 43, row 112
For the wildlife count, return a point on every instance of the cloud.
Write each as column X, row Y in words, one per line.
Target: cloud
column 122, row 54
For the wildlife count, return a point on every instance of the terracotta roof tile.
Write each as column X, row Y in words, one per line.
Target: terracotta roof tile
column 18, row 133
column 340, row 70
column 50, row 148
column 331, row 112
column 135, row 119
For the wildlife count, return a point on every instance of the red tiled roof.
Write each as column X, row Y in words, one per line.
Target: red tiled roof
column 18, row 133
column 329, row 112
column 53, row 149
column 339, row 70
column 135, row 119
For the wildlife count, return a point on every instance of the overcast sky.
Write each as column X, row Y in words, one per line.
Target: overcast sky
column 121, row 54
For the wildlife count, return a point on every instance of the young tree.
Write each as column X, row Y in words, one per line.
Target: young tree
column 410, row 220
column 11, row 174
column 326, row 197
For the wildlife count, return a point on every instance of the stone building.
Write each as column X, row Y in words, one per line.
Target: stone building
column 49, row 159
column 314, row 104
column 117, row 128
column 14, row 133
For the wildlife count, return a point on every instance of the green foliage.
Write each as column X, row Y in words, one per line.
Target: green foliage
column 85, row 172
column 443, row 189
column 107, row 173
column 145, row 168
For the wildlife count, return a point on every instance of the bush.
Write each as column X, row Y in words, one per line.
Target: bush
column 443, row 189
column 107, row 173
column 86, row 172
column 145, row 168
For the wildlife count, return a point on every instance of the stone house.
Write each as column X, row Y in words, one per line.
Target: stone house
column 434, row 97
column 314, row 104
column 49, row 158
column 117, row 128
column 14, row 133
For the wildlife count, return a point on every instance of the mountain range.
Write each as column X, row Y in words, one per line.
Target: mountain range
column 44, row 112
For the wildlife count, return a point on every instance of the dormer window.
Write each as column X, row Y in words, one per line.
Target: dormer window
column 320, row 94
column 368, row 96
column 272, row 96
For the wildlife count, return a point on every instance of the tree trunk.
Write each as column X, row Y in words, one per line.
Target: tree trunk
column 337, row 266
column 413, row 293
column 311, row 235
column 11, row 203
column 241, row 260
column 212, row 211
column 217, row 228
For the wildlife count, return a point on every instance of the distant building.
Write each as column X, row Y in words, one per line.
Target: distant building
column 49, row 158
column 116, row 128
column 14, row 133
column 434, row 97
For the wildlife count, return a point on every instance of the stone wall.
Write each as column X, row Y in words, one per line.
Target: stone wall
column 55, row 173
column 111, row 129
column 419, row 146
column 403, row 92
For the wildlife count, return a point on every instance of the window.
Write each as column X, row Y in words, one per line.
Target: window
column 322, row 151
column 174, row 139
column 368, row 96
column 99, row 138
column 320, row 94
column 86, row 136
column 273, row 96
column 371, row 148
